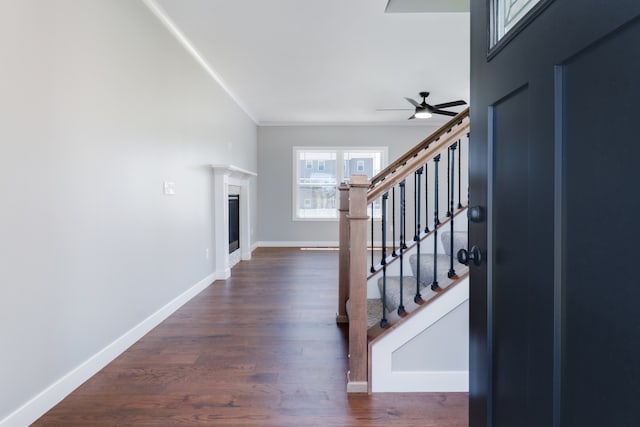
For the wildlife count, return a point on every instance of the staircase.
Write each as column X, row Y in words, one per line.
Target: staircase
column 408, row 283
column 399, row 276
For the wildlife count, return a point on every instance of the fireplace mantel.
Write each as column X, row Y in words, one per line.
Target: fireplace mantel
column 233, row 171
column 223, row 177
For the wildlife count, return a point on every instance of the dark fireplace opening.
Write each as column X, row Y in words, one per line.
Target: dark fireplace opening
column 234, row 222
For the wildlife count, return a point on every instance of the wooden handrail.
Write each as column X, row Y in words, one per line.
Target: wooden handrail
column 421, row 153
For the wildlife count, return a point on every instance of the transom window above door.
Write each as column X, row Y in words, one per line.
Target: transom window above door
column 508, row 17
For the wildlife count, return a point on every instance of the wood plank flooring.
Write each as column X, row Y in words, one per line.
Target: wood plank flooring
column 259, row 349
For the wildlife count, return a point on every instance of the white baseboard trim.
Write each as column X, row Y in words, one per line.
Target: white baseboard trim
column 219, row 275
column 424, row 382
column 52, row 395
column 297, row 244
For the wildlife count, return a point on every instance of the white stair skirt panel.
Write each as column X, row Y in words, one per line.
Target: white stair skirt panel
column 426, row 377
column 223, row 177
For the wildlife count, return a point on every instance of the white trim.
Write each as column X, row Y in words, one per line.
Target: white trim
column 225, row 176
column 339, row 153
column 223, row 274
column 427, row 382
column 162, row 15
column 356, row 386
column 235, row 171
column 298, row 244
column 52, row 395
column 427, row 124
column 385, row 379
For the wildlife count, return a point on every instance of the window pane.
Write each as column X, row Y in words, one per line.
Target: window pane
column 362, row 163
column 316, row 186
column 506, row 14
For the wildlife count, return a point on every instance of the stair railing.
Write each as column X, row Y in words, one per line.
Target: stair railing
column 355, row 199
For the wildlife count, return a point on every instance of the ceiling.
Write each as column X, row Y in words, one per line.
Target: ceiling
column 326, row 62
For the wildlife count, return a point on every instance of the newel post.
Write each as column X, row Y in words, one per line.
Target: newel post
column 357, row 377
column 343, row 255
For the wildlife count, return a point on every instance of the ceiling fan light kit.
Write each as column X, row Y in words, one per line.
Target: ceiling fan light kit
column 422, row 114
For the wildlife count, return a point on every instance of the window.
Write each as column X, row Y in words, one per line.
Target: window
column 315, row 196
column 508, row 17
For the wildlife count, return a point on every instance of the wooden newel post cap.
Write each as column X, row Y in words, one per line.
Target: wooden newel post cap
column 359, row 181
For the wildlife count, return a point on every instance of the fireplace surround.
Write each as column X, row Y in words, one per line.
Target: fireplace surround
column 224, row 177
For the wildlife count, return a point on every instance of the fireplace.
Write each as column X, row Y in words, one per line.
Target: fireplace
column 234, row 222
column 231, row 217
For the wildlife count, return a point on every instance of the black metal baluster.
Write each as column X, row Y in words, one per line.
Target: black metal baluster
column 452, row 273
column 426, row 198
column 372, row 269
column 436, row 220
column 417, row 298
column 459, row 173
column 415, row 205
column 436, row 223
column 401, row 309
column 383, row 260
column 448, row 186
column 393, row 221
column 383, row 321
column 403, row 219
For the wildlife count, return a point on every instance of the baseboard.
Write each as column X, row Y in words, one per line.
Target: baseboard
column 219, row 275
column 356, row 386
column 52, row 395
column 424, row 382
column 297, row 244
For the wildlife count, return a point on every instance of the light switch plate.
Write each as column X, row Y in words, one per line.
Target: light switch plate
column 169, row 188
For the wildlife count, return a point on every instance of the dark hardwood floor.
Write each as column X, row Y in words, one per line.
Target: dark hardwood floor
column 259, row 349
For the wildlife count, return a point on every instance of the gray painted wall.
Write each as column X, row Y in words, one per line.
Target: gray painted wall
column 98, row 106
column 275, row 169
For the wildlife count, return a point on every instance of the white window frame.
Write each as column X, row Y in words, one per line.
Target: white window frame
column 340, row 152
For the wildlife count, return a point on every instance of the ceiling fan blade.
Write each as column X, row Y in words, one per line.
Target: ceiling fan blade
column 450, row 104
column 413, row 102
column 445, row 113
column 412, row 117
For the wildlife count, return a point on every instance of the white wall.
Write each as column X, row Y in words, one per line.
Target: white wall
column 275, row 151
column 98, row 106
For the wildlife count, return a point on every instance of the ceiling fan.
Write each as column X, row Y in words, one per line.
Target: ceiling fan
column 425, row 111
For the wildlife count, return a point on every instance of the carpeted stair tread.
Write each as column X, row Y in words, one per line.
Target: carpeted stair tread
column 393, row 291
column 426, row 267
column 374, row 311
column 460, row 241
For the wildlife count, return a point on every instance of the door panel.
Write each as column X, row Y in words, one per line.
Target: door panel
column 513, row 318
column 556, row 165
column 602, row 322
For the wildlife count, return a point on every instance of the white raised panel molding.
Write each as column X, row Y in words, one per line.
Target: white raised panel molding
column 385, row 379
column 223, row 177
